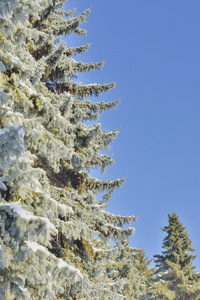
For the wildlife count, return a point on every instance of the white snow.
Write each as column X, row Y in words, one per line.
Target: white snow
column 2, row 67
column 113, row 283
column 23, row 289
column 4, row 106
column 38, row 190
column 18, row 209
column 64, row 208
column 101, row 250
column 106, row 212
column 61, row 263
column 3, row 95
column 13, row 157
column 113, row 226
column 35, row 247
column 31, row 91
column 154, row 296
column 28, row 216
column 7, row 7
column 13, row 138
column 15, row 59
column 3, row 187
column 2, row 131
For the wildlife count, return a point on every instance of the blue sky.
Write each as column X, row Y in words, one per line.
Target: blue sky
column 152, row 51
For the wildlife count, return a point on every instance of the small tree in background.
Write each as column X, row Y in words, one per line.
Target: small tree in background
column 175, row 277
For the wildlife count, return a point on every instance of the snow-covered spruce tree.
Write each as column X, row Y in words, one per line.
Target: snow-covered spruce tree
column 55, row 234
column 175, row 278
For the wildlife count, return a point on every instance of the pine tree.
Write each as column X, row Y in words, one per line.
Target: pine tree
column 175, row 277
column 130, row 262
column 54, row 241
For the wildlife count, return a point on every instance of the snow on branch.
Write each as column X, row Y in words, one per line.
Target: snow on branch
column 61, row 264
column 7, row 7
column 61, row 208
column 22, row 213
column 11, row 145
column 11, row 149
column 118, row 219
column 2, row 67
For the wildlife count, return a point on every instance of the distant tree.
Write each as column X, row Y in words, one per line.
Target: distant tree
column 175, row 277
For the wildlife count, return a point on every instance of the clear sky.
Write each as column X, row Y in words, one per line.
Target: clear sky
column 152, row 51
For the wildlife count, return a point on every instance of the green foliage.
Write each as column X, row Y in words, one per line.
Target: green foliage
column 55, row 234
column 175, row 277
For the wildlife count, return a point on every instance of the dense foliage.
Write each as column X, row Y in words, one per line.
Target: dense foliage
column 175, row 277
column 54, row 232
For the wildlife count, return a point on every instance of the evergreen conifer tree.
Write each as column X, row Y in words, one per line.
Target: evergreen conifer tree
column 54, row 241
column 175, row 277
